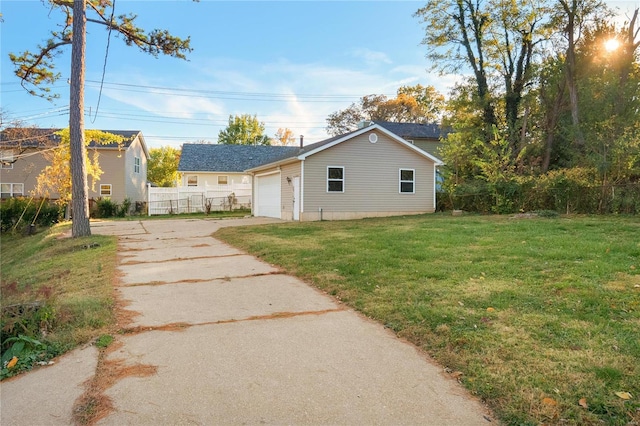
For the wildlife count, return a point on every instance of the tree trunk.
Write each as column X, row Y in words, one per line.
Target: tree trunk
column 80, row 226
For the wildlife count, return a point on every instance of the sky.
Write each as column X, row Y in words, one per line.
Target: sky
column 289, row 63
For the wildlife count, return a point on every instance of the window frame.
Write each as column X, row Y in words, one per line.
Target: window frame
column 329, row 180
column 9, row 156
column 12, row 193
column 104, row 186
column 189, row 177
column 136, row 164
column 226, row 179
column 405, row 181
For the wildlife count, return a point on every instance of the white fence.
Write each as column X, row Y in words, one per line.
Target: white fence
column 192, row 199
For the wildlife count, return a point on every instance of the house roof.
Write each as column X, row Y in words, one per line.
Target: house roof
column 328, row 143
column 37, row 137
column 230, row 158
column 414, row 130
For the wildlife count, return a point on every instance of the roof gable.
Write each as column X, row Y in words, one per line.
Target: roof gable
column 328, row 143
column 321, row 146
column 230, row 158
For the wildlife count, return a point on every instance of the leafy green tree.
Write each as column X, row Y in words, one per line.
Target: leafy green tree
column 37, row 72
column 243, row 129
column 497, row 41
column 162, row 168
column 413, row 104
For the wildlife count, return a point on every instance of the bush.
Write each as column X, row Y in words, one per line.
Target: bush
column 576, row 190
column 18, row 213
column 106, row 208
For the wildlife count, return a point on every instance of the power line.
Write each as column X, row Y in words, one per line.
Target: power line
column 231, row 95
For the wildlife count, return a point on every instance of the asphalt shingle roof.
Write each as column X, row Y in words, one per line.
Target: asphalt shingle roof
column 413, row 130
column 230, row 158
column 37, row 137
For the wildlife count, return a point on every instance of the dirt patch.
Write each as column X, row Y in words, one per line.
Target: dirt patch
column 93, row 405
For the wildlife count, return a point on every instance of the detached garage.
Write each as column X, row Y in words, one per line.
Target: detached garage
column 267, row 195
column 370, row 172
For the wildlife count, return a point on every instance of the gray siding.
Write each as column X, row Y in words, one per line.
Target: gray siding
column 135, row 183
column 371, row 179
column 288, row 171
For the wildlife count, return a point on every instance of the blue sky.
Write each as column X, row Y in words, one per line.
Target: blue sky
column 289, row 63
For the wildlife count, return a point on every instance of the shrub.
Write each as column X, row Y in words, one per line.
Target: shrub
column 18, row 213
column 106, row 208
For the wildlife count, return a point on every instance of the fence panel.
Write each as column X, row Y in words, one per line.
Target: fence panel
column 194, row 199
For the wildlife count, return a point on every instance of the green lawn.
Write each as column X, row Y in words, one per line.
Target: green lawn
column 538, row 317
column 57, row 290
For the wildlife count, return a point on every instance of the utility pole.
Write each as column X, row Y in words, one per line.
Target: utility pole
column 80, row 226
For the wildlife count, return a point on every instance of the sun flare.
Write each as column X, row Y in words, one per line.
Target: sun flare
column 611, row 45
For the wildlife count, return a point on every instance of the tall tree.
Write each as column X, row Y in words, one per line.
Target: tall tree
column 413, row 104
column 243, row 129
column 162, row 168
column 37, row 73
column 496, row 40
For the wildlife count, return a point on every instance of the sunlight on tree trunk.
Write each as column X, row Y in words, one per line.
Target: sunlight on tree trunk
column 79, row 189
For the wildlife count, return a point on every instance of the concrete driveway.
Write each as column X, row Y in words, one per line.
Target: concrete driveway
column 215, row 336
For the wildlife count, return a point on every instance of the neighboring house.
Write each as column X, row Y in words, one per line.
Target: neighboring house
column 124, row 166
column 366, row 173
column 425, row 136
column 211, row 165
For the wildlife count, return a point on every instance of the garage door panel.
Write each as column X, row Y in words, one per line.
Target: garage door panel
column 268, row 195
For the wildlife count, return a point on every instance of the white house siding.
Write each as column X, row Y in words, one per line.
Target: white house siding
column 371, row 180
column 211, row 178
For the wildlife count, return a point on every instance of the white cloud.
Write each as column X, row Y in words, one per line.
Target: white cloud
column 371, row 57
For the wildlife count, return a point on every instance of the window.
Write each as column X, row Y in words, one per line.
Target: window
column 105, row 190
column 192, row 180
column 335, row 179
column 223, row 180
column 136, row 165
column 8, row 190
column 407, row 181
column 6, row 160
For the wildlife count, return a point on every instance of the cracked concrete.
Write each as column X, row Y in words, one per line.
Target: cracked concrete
column 233, row 341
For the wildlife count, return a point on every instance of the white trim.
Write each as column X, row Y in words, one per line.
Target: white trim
column 6, row 155
column 368, row 129
column 267, row 173
column 301, row 187
column 110, row 194
column 435, row 184
column 400, row 181
column 336, row 180
column 12, row 189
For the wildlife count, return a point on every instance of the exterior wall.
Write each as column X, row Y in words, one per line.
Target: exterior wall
column 288, row 171
column 135, row 182
column 26, row 170
column 211, row 178
column 371, row 180
column 431, row 146
column 113, row 173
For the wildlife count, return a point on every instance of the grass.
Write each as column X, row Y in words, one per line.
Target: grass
column 56, row 290
column 538, row 317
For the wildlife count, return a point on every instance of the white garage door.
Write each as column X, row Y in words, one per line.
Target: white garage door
column 268, row 195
